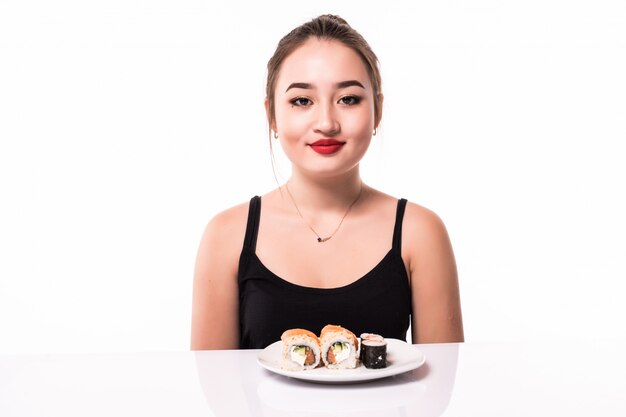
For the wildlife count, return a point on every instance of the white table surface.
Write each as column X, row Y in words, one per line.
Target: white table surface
column 469, row 379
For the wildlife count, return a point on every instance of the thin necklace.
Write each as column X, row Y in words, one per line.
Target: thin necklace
column 319, row 238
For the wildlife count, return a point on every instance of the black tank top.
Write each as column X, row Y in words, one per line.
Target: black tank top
column 378, row 302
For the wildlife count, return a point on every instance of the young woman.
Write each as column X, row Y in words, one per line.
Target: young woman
column 324, row 248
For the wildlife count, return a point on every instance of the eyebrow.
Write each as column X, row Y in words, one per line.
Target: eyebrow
column 342, row 84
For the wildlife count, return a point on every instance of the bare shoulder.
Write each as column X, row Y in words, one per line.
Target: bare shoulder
column 230, row 221
column 215, row 291
column 422, row 219
column 419, row 222
column 224, row 234
column 427, row 250
column 424, row 233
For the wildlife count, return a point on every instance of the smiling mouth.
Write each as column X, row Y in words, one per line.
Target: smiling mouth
column 326, row 146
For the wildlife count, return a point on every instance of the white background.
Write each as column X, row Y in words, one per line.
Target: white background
column 125, row 125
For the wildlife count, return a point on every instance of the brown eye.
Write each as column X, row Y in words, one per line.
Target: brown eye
column 350, row 100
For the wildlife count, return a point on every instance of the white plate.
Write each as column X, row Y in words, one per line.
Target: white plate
column 401, row 357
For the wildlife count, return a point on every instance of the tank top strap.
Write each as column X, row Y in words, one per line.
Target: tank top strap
column 397, row 229
column 252, row 228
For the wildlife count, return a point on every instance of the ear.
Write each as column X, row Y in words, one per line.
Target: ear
column 266, row 103
column 380, row 109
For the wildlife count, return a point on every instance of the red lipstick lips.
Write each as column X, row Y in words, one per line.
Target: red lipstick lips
column 326, row 146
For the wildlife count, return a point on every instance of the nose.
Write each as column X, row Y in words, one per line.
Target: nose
column 326, row 121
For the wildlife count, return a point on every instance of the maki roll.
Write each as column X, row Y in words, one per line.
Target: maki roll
column 373, row 351
column 301, row 350
column 368, row 336
column 339, row 347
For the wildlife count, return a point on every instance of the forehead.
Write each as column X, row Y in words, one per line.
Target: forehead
column 322, row 62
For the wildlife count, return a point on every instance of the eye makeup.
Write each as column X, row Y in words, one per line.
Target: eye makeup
column 349, row 100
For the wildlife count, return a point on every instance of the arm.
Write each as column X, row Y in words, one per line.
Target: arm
column 436, row 315
column 215, row 306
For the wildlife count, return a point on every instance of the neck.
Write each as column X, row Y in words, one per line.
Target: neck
column 325, row 194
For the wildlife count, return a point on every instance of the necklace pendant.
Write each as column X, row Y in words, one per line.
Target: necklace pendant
column 319, row 238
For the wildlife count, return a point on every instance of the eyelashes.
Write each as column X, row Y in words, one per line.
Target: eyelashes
column 300, row 102
column 349, row 100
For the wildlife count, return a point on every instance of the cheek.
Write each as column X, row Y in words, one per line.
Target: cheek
column 360, row 123
column 290, row 130
column 291, row 124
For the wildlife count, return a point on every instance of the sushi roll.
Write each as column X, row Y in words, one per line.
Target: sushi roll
column 339, row 347
column 301, row 350
column 367, row 336
column 374, row 352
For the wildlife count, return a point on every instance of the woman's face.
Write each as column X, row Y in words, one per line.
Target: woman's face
column 324, row 108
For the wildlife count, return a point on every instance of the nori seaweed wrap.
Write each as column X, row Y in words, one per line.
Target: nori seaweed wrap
column 374, row 353
column 367, row 336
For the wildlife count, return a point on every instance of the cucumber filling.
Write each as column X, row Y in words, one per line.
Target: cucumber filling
column 340, row 352
column 299, row 354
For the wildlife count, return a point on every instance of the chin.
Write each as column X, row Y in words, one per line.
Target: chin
column 330, row 172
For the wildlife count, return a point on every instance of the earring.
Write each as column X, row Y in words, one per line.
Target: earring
column 374, row 132
column 275, row 135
